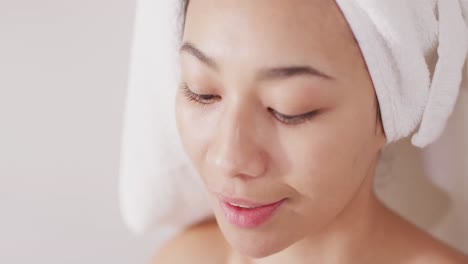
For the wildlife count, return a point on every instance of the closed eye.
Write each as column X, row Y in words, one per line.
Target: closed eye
column 206, row 99
column 295, row 119
column 202, row 99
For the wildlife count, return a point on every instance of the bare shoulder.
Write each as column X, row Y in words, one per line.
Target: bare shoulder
column 201, row 243
column 439, row 253
column 407, row 243
column 443, row 256
column 426, row 249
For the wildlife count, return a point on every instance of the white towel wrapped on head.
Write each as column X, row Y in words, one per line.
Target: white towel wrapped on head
column 399, row 40
column 414, row 49
column 158, row 187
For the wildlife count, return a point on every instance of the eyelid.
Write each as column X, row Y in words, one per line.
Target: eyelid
column 285, row 119
column 197, row 98
column 295, row 116
column 294, row 119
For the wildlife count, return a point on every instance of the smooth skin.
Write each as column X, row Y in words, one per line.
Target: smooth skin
column 256, row 63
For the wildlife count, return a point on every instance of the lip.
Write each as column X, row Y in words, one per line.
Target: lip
column 247, row 217
column 244, row 202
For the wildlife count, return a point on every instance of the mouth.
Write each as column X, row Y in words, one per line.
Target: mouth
column 247, row 214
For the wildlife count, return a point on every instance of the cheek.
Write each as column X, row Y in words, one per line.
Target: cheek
column 328, row 166
column 194, row 129
column 324, row 168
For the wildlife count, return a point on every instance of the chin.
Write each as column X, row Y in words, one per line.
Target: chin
column 258, row 252
column 255, row 243
column 259, row 249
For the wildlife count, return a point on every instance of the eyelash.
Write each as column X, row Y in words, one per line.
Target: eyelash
column 285, row 119
column 197, row 98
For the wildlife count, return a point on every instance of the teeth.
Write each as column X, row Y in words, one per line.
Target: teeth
column 241, row 206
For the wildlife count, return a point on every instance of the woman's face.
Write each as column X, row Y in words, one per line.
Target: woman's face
column 288, row 113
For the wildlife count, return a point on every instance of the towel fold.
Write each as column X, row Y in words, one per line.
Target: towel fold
column 414, row 50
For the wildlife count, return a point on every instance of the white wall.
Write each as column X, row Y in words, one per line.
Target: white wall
column 63, row 73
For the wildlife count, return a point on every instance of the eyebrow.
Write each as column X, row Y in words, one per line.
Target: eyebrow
column 275, row 73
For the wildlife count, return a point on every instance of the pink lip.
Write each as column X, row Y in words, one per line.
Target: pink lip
column 247, row 217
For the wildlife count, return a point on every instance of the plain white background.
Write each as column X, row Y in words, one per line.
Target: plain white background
column 63, row 77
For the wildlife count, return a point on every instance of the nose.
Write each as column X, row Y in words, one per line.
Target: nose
column 235, row 149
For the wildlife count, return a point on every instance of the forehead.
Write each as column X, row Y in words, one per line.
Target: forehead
column 260, row 32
